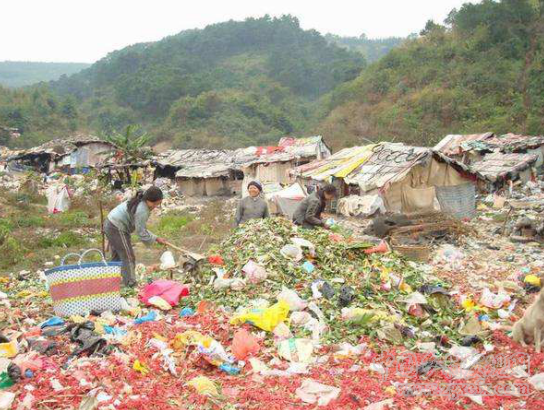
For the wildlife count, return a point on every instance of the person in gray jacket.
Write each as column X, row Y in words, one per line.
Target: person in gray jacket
column 252, row 206
column 131, row 216
column 308, row 213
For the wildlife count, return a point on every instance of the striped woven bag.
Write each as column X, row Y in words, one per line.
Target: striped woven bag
column 85, row 287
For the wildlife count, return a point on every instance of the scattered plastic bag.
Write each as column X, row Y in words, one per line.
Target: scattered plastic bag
column 254, row 273
column 292, row 252
column 533, row 280
column 203, row 386
column 244, row 344
column 150, row 317
column 494, row 300
column 167, row 261
column 380, row 405
column 266, row 319
column 303, row 243
column 140, row 367
column 537, row 381
column 293, row 300
column 296, row 350
column 308, row 267
column 300, row 318
column 54, row 321
column 216, row 260
column 168, row 290
column 282, row 332
column 234, row 284
column 160, row 303
column 58, row 199
column 185, row 312
column 312, row 392
column 9, row 350
column 450, row 255
column 6, row 400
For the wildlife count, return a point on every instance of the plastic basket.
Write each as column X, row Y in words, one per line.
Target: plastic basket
column 85, row 287
column 458, row 200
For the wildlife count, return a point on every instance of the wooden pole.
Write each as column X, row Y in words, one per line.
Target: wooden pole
column 102, row 227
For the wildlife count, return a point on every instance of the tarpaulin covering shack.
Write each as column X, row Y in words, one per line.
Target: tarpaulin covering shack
column 201, row 172
column 69, row 155
column 498, row 166
column 404, row 176
column 463, row 148
column 271, row 165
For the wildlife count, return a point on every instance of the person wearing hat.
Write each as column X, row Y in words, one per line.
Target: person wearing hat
column 253, row 206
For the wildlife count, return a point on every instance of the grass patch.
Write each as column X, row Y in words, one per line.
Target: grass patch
column 72, row 219
column 172, row 224
column 12, row 252
column 64, row 240
column 29, row 221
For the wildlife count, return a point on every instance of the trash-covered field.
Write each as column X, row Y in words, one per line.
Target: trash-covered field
column 279, row 316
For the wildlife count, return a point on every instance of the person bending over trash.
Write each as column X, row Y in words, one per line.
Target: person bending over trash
column 126, row 218
column 308, row 213
column 252, row 206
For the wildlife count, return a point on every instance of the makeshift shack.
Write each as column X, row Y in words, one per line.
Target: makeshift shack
column 498, row 168
column 70, row 156
column 464, row 148
column 271, row 165
column 404, row 177
column 201, row 172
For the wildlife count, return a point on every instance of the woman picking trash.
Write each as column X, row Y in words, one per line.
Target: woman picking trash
column 308, row 213
column 252, row 206
column 128, row 217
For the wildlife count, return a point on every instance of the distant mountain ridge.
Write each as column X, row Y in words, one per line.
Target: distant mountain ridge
column 230, row 84
column 23, row 73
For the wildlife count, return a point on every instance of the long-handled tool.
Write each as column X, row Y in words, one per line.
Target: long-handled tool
column 191, row 259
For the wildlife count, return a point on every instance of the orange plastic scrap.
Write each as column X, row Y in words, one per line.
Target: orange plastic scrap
column 244, row 344
column 203, row 306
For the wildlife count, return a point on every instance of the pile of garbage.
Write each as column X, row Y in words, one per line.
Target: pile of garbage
column 334, row 288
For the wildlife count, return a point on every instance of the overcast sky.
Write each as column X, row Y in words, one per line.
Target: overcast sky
column 86, row 30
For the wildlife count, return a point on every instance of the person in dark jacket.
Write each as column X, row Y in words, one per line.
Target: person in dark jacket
column 252, row 206
column 308, row 213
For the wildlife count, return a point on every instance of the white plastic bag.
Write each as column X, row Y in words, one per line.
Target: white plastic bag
column 494, row 300
column 312, row 392
column 303, row 243
column 58, row 199
column 167, row 261
column 293, row 300
column 254, row 273
column 292, row 252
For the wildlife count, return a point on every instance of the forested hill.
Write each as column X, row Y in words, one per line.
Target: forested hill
column 482, row 71
column 371, row 48
column 230, row 84
column 22, row 73
column 243, row 83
